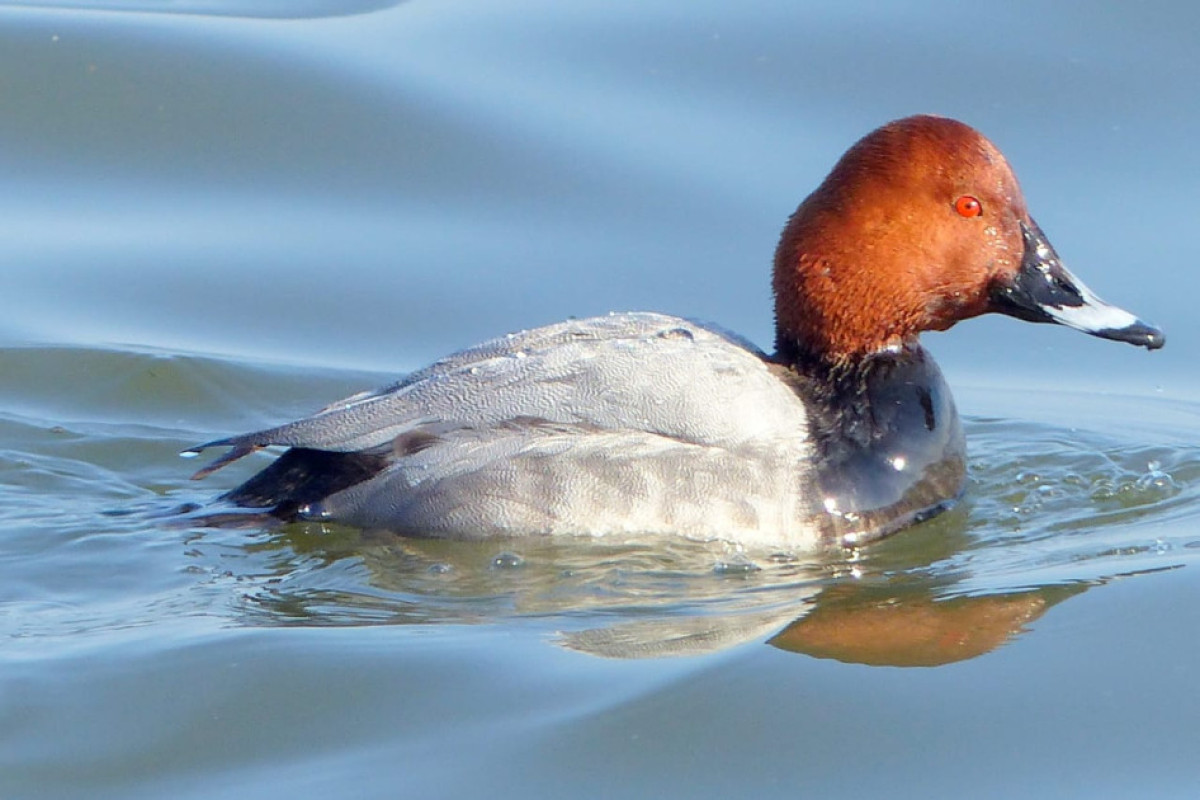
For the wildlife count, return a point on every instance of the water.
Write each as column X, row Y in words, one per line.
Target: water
column 220, row 218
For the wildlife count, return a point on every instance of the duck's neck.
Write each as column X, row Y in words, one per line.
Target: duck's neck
column 889, row 443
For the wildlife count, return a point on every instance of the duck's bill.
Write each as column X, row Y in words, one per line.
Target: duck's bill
column 1043, row 290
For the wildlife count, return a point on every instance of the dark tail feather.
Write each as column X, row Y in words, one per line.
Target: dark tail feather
column 302, row 476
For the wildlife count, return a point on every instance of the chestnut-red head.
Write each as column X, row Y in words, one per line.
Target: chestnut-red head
column 921, row 224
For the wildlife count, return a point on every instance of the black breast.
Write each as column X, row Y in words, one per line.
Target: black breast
column 890, row 447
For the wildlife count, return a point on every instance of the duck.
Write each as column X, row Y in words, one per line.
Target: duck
column 644, row 424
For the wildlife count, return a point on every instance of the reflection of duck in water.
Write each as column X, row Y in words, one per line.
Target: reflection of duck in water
column 899, row 627
column 914, row 629
column 670, row 601
column 645, row 423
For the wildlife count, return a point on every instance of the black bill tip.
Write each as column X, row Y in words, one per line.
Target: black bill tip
column 1139, row 334
column 1043, row 290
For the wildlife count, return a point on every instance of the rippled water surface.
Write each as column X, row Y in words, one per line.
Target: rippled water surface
column 220, row 215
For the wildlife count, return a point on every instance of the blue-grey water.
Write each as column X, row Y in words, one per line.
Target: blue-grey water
column 221, row 214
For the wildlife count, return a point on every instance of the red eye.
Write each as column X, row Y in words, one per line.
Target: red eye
column 968, row 206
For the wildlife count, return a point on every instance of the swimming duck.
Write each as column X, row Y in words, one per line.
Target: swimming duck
column 643, row 423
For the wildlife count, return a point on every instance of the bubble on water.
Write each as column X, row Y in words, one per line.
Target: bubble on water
column 507, row 561
column 1156, row 481
column 1134, row 490
column 1025, row 509
column 440, row 569
column 1075, row 479
column 738, row 565
column 1103, row 489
